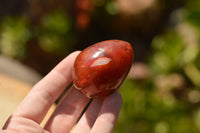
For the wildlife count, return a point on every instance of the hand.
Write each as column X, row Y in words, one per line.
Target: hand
column 100, row 116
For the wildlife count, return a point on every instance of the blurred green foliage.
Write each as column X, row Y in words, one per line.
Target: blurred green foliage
column 167, row 101
column 55, row 33
column 14, row 35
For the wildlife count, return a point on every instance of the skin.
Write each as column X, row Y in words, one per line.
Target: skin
column 100, row 116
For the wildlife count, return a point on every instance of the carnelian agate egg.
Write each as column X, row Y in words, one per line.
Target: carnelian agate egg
column 101, row 68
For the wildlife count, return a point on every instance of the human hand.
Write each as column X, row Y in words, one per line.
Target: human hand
column 100, row 116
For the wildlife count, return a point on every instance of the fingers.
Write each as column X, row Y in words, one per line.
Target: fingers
column 43, row 94
column 101, row 115
column 67, row 112
column 23, row 125
column 108, row 114
column 87, row 120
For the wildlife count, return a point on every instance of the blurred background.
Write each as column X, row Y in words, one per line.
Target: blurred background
column 162, row 91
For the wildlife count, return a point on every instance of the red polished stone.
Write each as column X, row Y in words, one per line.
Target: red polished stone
column 101, row 68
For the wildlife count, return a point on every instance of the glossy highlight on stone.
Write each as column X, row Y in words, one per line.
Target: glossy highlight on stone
column 101, row 68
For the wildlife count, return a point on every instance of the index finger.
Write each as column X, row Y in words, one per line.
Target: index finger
column 44, row 93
